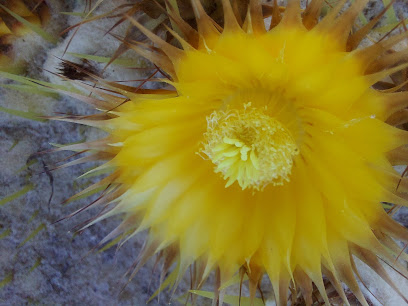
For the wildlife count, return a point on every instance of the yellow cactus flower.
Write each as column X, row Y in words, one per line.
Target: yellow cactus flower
column 270, row 151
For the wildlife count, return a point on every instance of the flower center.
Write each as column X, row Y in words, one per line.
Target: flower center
column 249, row 147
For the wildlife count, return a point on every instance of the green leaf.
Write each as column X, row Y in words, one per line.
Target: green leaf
column 111, row 244
column 77, row 14
column 234, row 280
column 16, row 195
column 59, row 145
column 362, row 19
column 33, row 234
column 167, row 282
column 31, row 89
column 36, row 265
column 390, row 14
column 37, row 85
column 15, row 143
column 94, row 8
column 5, row 234
column 94, row 171
column 85, row 195
column 390, row 26
column 174, row 4
column 9, row 277
column 26, row 166
column 35, row 214
column 31, row 26
column 27, row 115
column 103, row 59
column 387, row 205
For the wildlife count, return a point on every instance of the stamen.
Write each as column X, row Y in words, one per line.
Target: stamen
column 249, row 147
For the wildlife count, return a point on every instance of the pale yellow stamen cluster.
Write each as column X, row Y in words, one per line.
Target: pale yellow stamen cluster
column 250, row 147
